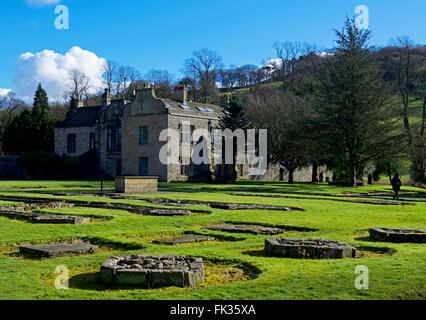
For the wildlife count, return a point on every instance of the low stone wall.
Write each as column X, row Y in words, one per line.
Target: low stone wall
column 58, row 250
column 136, row 184
column 308, row 248
column 398, row 235
column 153, row 271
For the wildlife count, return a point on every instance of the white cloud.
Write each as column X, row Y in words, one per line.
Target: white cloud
column 52, row 70
column 43, row 2
column 4, row 92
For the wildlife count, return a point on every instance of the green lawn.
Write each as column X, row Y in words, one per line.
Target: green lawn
column 235, row 265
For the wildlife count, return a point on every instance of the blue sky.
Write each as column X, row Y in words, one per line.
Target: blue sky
column 161, row 34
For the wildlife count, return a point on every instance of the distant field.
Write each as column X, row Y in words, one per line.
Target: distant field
column 235, row 265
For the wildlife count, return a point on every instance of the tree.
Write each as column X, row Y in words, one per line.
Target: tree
column 81, row 85
column 234, row 118
column 31, row 130
column 410, row 77
column 204, row 67
column 163, row 81
column 109, row 75
column 41, row 109
column 353, row 121
column 9, row 106
column 73, row 105
column 287, row 54
column 280, row 113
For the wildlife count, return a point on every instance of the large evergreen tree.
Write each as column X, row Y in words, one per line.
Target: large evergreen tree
column 73, row 105
column 41, row 110
column 234, row 118
column 353, row 120
column 31, row 131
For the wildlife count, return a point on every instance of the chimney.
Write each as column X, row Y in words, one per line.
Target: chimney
column 181, row 93
column 106, row 98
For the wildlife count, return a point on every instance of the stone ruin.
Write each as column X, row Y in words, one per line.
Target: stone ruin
column 25, row 212
column 247, row 228
column 58, row 250
column 308, row 249
column 184, row 240
column 136, row 209
column 45, row 218
column 242, row 206
column 153, row 271
column 398, row 235
column 32, row 204
column 219, row 205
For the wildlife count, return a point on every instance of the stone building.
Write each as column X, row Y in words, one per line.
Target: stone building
column 121, row 138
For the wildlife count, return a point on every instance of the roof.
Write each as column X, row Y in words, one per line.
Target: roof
column 193, row 109
column 82, row 117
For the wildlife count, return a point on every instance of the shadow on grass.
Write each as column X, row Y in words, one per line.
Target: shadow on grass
column 376, row 250
column 285, row 227
column 220, row 237
column 256, row 253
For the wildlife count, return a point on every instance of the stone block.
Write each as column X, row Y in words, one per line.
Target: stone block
column 135, row 184
column 58, row 250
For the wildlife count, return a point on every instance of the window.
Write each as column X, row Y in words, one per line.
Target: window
column 184, row 167
column 71, row 143
column 143, row 166
column 143, row 135
column 185, row 107
column 114, row 139
column 92, row 141
column 184, row 170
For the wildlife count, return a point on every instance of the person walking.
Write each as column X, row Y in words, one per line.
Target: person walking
column 396, row 186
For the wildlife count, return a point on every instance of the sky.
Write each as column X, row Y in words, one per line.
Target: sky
column 161, row 34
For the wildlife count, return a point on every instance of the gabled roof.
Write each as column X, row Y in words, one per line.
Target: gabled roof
column 82, row 117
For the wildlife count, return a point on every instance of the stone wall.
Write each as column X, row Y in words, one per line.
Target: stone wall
column 174, row 122
column 110, row 118
column 82, row 140
column 276, row 173
column 148, row 111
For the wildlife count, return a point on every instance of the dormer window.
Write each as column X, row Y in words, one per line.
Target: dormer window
column 185, row 107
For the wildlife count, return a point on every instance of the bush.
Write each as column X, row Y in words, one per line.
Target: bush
column 44, row 165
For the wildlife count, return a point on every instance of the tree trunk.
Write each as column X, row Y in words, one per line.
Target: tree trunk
column 417, row 172
column 352, row 174
column 291, row 176
column 314, row 172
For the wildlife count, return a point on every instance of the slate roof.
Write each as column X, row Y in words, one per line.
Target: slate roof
column 193, row 109
column 82, row 117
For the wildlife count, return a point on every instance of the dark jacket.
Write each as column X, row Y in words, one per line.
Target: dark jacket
column 396, row 184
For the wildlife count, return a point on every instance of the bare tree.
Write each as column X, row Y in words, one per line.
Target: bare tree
column 9, row 106
column 409, row 78
column 163, row 81
column 287, row 54
column 204, row 67
column 109, row 74
column 80, row 85
column 124, row 78
column 280, row 113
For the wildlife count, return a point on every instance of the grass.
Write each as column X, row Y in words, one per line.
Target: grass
column 235, row 265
